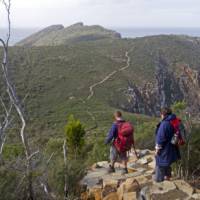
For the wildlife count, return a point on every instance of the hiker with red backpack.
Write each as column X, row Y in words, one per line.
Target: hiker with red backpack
column 169, row 135
column 121, row 137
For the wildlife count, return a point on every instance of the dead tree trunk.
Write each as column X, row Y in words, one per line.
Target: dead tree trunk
column 4, row 125
column 16, row 103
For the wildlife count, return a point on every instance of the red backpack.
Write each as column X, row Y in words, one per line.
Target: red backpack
column 179, row 137
column 124, row 140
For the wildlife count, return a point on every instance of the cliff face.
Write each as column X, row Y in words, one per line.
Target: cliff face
column 182, row 84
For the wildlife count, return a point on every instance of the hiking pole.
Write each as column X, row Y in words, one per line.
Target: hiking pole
column 135, row 152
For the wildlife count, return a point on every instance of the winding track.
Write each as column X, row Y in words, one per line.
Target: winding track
column 109, row 76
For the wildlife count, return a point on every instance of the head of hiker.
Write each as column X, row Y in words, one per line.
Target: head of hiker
column 118, row 116
column 121, row 139
column 165, row 112
column 166, row 152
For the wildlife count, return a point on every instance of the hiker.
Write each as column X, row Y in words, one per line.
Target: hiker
column 166, row 152
column 121, row 139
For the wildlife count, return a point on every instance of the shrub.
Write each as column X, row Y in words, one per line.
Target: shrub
column 74, row 132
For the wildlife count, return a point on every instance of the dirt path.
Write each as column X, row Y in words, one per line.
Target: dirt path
column 109, row 76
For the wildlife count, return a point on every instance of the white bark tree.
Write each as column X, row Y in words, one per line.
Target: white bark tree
column 4, row 124
column 15, row 104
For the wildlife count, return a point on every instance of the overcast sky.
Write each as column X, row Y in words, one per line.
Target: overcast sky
column 109, row 13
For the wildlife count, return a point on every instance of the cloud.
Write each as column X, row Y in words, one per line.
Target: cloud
column 37, row 13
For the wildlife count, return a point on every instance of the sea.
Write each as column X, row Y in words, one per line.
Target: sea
column 17, row 34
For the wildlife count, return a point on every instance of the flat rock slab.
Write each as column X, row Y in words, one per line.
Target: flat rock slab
column 185, row 187
column 172, row 195
column 196, row 196
column 94, row 177
column 145, row 160
column 143, row 152
column 102, row 164
column 163, row 187
column 130, row 196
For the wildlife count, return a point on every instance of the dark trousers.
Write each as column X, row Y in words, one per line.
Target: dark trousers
column 162, row 172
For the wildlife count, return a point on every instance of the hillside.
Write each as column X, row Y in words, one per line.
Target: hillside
column 92, row 79
column 58, row 35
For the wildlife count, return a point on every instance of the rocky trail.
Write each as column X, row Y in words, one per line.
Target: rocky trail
column 91, row 88
column 138, row 184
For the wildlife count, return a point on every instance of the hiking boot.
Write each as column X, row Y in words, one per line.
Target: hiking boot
column 167, row 178
column 111, row 169
column 125, row 171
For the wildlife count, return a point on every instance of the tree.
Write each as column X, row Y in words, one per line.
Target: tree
column 74, row 141
column 6, row 112
column 74, row 132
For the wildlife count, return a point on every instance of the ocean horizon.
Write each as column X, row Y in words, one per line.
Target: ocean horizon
column 142, row 32
column 18, row 34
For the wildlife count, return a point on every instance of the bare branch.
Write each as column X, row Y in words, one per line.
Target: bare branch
column 44, row 186
column 4, row 125
column 33, row 154
column 48, row 161
column 47, row 190
column 8, row 7
column 20, row 183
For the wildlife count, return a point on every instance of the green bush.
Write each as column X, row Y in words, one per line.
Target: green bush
column 8, row 182
column 11, row 151
column 74, row 132
column 54, row 145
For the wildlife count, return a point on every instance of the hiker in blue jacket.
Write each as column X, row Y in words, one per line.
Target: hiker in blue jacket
column 166, row 152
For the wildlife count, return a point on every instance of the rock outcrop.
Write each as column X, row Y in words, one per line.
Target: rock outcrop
column 169, row 86
column 138, row 184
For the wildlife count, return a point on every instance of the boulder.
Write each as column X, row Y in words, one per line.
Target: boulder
column 142, row 170
column 152, row 164
column 131, row 169
column 143, row 153
column 196, row 196
column 184, row 186
column 110, row 182
column 145, row 160
column 145, row 193
column 130, row 196
column 149, row 172
column 142, row 180
column 130, row 185
column 197, row 191
column 95, row 192
column 84, row 196
column 111, row 196
column 102, row 164
column 107, row 190
column 133, row 164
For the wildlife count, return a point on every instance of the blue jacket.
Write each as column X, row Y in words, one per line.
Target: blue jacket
column 112, row 135
column 169, row 153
